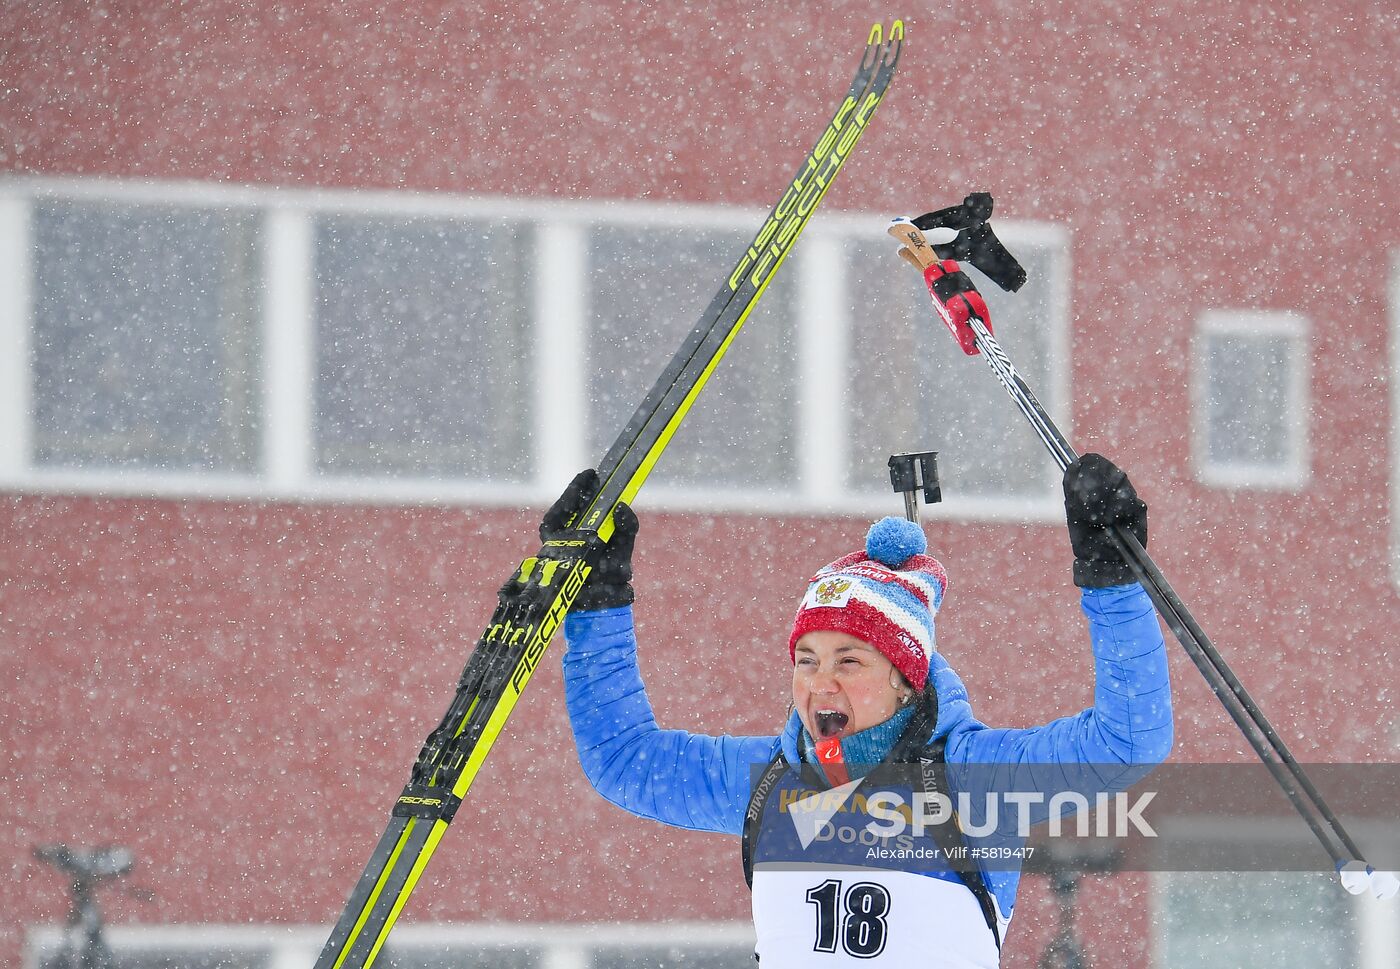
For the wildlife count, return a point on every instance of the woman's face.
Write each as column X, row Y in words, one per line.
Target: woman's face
column 841, row 685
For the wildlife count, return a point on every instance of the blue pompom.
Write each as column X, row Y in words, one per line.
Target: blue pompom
column 891, row 541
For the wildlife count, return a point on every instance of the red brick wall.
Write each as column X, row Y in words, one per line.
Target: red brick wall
column 236, row 690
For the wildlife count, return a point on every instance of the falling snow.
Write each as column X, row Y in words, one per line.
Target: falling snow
column 307, row 312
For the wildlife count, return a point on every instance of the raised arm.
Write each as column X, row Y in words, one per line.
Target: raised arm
column 683, row 779
column 1130, row 723
column 688, row 780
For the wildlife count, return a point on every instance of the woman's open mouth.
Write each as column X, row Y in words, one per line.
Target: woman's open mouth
column 830, row 723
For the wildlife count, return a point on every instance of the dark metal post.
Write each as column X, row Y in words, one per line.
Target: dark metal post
column 1065, row 862
column 914, row 472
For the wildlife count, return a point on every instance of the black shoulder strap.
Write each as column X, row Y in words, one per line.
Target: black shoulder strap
column 949, row 835
column 753, row 817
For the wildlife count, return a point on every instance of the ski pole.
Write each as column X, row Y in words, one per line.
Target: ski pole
column 964, row 313
column 1227, row 688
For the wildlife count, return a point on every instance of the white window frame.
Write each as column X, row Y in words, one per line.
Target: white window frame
column 296, row 947
column 286, row 469
column 1377, row 923
column 1293, row 474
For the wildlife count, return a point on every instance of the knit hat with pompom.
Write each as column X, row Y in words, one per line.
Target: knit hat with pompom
column 885, row 595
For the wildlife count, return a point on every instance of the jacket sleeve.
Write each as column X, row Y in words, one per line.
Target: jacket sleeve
column 1127, row 730
column 687, row 780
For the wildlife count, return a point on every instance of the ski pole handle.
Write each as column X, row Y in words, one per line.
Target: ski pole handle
column 954, row 296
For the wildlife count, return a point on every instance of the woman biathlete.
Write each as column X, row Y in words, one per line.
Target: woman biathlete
column 869, row 693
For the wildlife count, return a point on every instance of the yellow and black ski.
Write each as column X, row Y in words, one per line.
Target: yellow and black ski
column 535, row 599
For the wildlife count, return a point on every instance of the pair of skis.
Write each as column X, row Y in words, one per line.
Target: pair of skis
column 534, row 601
column 965, row 315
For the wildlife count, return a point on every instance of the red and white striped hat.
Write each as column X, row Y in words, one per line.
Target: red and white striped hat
column 885, row 595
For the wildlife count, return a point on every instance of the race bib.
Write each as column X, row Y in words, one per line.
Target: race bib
column 870, row 918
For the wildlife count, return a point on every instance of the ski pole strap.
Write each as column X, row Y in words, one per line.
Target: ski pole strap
column 957, row 300
column 975, row 242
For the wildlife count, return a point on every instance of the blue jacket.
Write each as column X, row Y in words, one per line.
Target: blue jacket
column 703, row 782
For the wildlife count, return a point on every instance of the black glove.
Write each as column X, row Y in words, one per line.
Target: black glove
column 610, row 582
column 1098, row 495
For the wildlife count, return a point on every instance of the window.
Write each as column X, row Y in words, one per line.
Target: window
column 197, row 339
column 145, row 337
column 422, row 347
column 633, row 945
column 649, row 285
column 1284, row 920
column 1250, row 387
column 910, row 387
column 1223, row 919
